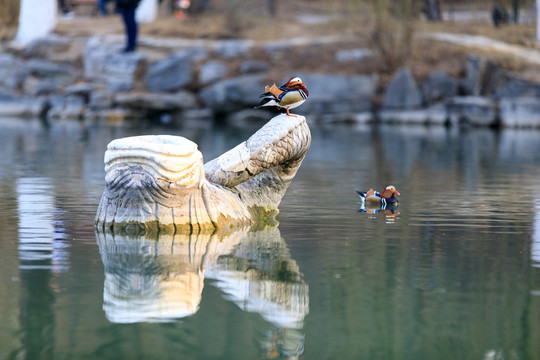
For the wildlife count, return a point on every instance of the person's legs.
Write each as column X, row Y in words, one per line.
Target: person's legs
column 102, row 4
column 128, row 14
column 63, row 7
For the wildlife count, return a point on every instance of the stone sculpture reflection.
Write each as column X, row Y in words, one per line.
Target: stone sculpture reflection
column 162, row 278
column 159, row 182
column 157, row 279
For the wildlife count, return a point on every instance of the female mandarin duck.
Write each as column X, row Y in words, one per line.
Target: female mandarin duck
column 289, row 95
column 383, row 198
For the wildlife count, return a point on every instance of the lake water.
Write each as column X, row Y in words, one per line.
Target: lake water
column 452, row 273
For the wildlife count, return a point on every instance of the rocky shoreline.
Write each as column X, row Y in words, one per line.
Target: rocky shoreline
column 183, row 80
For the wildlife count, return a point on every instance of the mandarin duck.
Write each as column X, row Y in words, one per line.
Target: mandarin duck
column 288, row 96
column 382, row 198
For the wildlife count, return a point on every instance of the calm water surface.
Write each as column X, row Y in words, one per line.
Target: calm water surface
column 452, row 273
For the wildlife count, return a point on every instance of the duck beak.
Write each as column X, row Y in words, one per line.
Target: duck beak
column 397, row 192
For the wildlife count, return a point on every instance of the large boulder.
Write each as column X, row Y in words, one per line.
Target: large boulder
column 472, row 110
column 71, row 106
column 233, row 48
column 520, row 112
column 12, row 72
column 339, row 93
column 516, row 88
column 23, row 107
column 434, row 114
column 47, row 47
column 253, row 66
column 481, row 77
column 402, row 92
column 353, row 55
column 439, row 86
column 170, row 74
column 233, row 94
column 157, row 101
column 42, row 77
column 212, row 71
column 104, row 63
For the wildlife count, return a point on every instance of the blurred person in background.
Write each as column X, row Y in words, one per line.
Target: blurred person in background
column 66, row 13
column 102, row 5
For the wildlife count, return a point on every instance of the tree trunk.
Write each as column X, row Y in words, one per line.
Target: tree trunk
column 432, row 10
column 36, row 19
column 515, row 10
column 272, row 7
column 538, row 20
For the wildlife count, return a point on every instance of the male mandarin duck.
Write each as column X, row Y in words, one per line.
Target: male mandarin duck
column 383, row 198
column 289, row 95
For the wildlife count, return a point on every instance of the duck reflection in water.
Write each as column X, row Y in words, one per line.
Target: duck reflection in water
column 161, row 279
column 389, row 211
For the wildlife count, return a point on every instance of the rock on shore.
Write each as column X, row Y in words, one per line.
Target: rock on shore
column 77, row 78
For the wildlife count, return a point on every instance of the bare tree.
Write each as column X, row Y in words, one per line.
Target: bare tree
column 432, row 10
column 393, row 34
column 538, row 20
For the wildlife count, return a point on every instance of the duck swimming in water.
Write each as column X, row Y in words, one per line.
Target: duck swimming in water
column 388, row 196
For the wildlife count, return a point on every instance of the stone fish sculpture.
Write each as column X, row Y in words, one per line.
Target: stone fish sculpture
column 160, row 182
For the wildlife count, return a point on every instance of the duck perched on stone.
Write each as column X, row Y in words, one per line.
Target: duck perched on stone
column 288, row 96
column 388, row 196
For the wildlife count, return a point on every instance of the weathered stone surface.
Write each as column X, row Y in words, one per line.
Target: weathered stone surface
column 103, row 63
column 46, row 69
column 100, row 100
column 353, row 55
column 43, row 48
column 197, row 114
column 473, row 110
column 439, row 86
column 338, row 93
column 159, row 182
column 82, row 89
column 196, row 53
column 516, row 88
column 170, row 74
column 123, row 70
column 22, row 107
column 156, row 101
column 480, row 76
column 7, row 95
column 346, row 118
column 12, row 72
column 34, row 86
column 233, row 94
column 276, row 47
column 435, row 114
column 212, row 71
column 71, row 106
column 253, row 66
column 402, row 92
column 247, row 118
column 520, row 112
column 233, row 48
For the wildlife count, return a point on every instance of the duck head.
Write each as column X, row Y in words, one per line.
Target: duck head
column 295, row 83
column 389, row 192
